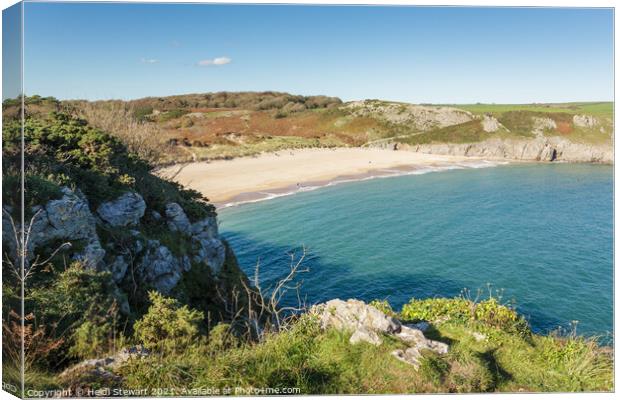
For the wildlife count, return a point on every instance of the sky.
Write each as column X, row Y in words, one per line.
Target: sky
column 412, row 54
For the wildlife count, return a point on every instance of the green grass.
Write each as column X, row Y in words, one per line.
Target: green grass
column 593, row 108
column 324, row 362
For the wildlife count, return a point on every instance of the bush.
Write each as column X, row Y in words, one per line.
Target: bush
column 73, row 304
column 488, row 313
column 66, row 150
column 168, row 327
column 90, row 339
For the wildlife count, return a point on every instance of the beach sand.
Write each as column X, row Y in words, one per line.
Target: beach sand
column 226, row 182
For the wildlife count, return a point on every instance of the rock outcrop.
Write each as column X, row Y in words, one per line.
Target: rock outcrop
column 124, row 211
column 491, row 124
column 537, row 149
column 102, row 370
column 368, row 324
column 70, row 219
column 66, row 219
column 421, row 118
column 584, row 121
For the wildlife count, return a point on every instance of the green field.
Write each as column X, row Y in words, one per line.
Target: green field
column 595, row 108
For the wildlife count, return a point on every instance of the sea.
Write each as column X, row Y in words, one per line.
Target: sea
column 539, row 236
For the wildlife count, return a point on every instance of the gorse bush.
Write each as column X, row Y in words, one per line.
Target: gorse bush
column 79, row 303
column 489, row 313
column 168, row 327
column 63, row 150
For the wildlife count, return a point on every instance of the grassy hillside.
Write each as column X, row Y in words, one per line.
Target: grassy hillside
column 226, row 125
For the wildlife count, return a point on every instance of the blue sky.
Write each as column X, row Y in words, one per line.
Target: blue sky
column 430, row 55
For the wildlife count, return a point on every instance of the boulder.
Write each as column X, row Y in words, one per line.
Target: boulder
column 68, row 219
column 65, row 218
column 355, row 315
column 368, row 324
column 177, row 220
column 413, row 354
column 126, row 210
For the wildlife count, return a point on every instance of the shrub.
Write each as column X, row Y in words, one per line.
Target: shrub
column 94, row 339
column 172, row 114
column 168, row 327
column 68, row 301
column 456, row 309
column 66, row 150
column 488, row 313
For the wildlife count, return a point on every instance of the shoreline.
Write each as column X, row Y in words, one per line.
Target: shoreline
column 228, row 183
column 404, row 170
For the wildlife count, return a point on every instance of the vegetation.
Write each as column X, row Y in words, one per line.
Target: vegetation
column 508, row 358
column 61, row 150
column 595, row 108
column 219, row 331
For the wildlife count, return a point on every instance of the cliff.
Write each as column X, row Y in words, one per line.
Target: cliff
column 537, row 149
column 101, row 233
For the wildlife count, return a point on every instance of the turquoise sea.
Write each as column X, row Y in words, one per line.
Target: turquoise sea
column 542, row 233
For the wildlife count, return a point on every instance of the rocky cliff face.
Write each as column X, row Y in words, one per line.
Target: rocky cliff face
column 114, row 239
column 538, row 149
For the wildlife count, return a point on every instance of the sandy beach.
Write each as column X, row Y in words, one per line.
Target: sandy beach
column 273, row 174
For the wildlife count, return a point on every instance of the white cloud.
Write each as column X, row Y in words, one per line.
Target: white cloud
column 215, row 61
column 148, row 61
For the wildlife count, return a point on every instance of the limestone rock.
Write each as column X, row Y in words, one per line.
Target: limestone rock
column 355, row 315
column 542, row 124
column 412, row 355
column 419, row 117
column 541, row 148
column 584, row 121
column 69, row 219
column 365, row 335
column 118, row 268
column 124, row 211
column 101, row 370
column 368, row 323
column 159, row 267
column 210, row 251
column 205, row 227
column 177, row 220
column 491, row 124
